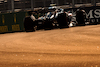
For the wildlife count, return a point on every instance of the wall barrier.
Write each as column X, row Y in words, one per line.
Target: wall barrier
column 92, row 12
column 12, row 22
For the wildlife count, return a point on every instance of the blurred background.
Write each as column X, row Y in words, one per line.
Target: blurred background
column 15, row 5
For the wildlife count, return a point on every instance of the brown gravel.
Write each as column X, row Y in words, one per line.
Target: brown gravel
column 69, row 47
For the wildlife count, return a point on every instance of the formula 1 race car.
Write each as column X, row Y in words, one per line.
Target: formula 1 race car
column 53, row 18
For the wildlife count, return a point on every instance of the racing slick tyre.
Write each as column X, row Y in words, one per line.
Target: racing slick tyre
column 62, row 21
column 48, row 24
column 29, row 25
column 80, row 18
column 40, row 24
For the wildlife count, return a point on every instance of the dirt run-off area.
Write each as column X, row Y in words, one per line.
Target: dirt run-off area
column 69, row 47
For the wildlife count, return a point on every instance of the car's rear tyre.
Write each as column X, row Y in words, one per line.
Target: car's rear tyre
column 29, row 25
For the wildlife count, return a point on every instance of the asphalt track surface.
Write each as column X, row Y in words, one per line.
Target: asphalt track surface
column 69, row 47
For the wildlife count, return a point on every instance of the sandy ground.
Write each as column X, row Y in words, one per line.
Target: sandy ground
column 69, row 47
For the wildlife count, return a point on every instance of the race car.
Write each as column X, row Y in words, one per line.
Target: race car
column 53, row 18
